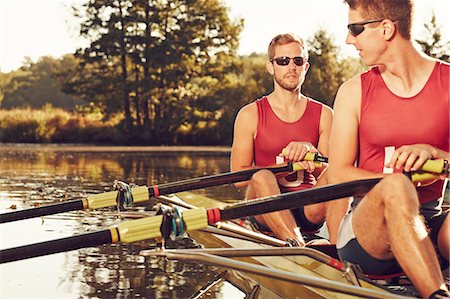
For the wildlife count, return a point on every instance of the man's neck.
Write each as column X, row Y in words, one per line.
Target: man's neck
column 405, row 70
column 286, row 97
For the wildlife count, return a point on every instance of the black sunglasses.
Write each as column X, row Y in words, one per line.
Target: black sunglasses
column 356, row 28
column 284, row 60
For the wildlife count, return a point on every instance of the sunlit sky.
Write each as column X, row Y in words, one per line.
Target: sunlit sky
column 38, row 28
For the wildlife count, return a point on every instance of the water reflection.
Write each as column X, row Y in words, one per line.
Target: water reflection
column 34, row 177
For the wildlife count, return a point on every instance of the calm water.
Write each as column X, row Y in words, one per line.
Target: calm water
column 35, row 175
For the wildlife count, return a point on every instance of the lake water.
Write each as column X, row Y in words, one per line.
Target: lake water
column 32, row 175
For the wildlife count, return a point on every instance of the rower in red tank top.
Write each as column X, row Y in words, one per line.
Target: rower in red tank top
column 391, row 119
column 419, row 122
column 273, row 134
column 285, row 120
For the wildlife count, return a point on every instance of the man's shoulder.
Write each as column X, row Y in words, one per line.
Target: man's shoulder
column 351, row 84
column 249, row 109
column 319, row 104
column 349, row 92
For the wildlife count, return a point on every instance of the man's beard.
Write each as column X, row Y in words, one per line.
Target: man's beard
column 288, row 85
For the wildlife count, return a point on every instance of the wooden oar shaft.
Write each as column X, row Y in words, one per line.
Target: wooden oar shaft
column 67, row 206
column 55, row 246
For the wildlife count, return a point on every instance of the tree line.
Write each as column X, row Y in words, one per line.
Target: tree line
column 170, row 70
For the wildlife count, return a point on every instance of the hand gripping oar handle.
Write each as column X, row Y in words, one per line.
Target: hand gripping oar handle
column 316, row 157
column 194, row 219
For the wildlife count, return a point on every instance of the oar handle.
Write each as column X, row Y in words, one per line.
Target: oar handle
column 439, row 166
column 431, row 170
column 315, row 157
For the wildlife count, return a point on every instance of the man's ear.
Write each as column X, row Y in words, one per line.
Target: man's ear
column 389, row 29
column 269, row 67
column 307, row 65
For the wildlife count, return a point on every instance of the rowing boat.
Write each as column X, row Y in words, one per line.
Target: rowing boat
column 307, row 262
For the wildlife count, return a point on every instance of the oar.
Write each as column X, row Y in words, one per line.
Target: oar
column 194, row 219
column 150, row 227
column 143, row 193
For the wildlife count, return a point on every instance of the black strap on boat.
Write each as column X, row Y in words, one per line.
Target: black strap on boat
column 172, row 222
column 124, row 196
column 166, row 223
column 291, row 242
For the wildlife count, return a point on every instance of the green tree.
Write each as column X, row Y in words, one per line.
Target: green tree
column 432, row 43
column 215, row 109
column 36, row 84
column 166, row 45
column 105, row 25
column 327, row 71
column 324, row 76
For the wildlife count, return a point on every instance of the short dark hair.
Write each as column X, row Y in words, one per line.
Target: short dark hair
column 395, row 10
column 284, row 39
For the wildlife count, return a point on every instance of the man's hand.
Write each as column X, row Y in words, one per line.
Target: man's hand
column 295, row 151
column 412, row 157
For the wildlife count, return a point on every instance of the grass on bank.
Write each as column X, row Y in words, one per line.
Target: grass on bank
column 55, row 125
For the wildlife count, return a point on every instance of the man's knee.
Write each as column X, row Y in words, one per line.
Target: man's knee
column 392, row 199
column 315, row 213
column 398, row 190
column 263, row 177
column 396, row 181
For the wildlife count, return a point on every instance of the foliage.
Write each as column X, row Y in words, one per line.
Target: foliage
column 144, row 54
column 51, row 124
column 327, row 72
column 432, row 43
column 158, row 72
column 35, row 84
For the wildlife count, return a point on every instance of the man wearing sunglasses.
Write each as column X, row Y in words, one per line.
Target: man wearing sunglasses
column 390, row 119
column 283, row 126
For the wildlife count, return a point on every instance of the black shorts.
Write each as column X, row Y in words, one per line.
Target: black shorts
column 354, row 253
column 303, row 222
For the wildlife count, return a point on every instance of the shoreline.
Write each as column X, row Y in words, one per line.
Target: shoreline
column 109, row 148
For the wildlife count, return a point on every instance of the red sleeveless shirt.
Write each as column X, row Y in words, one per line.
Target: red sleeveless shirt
column 388, row 120
column 274, row 134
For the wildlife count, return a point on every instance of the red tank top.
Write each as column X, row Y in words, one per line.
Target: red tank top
column 273, row 134
column 388, row 120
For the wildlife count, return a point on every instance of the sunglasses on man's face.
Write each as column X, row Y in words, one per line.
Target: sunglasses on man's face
column 284, row 60
column 356, row 28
